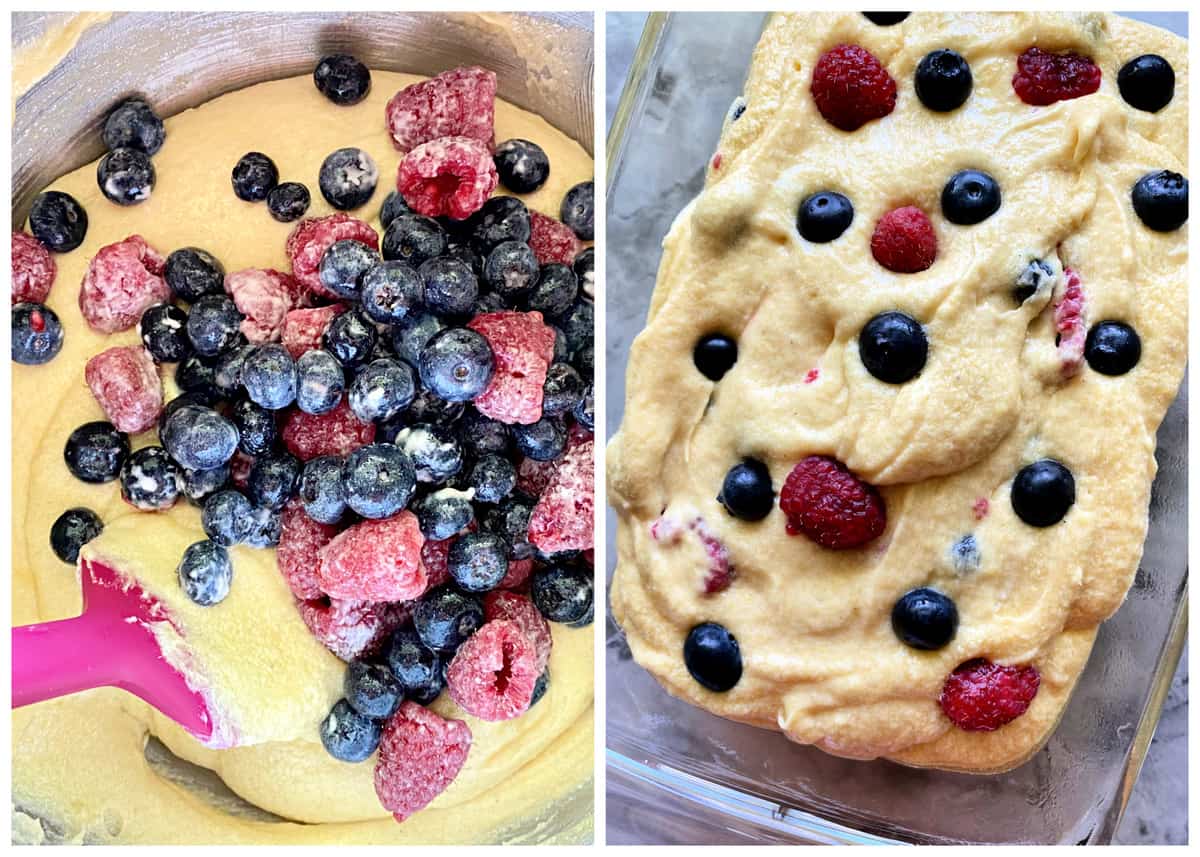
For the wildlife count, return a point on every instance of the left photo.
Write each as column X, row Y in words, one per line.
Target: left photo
column 302, row 419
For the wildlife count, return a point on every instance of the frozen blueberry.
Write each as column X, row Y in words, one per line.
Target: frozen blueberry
column 562, row 390
column 393, row 206
column 544, row 440
column 1033, row 277
column 205, row 573
column 443, row 513
column 321, row 489
column 350, row 338
column 320, row 382
column 925, row 619
column 943, row 80
column 970, row 197
column 197, row 375
column 578, row 210
column 272, row 480
column 343, row 265
column 540, row 687
column 585, row 411
column 266, row 525
column 510, row 519
column 381, row 390
column 134, row 125
column 125, row 176
column 501, row 219
column 893, row 347
column 96, row 451
column 150, row 479
column 378, row 480
column 412, row 334
column 579, row 326
column 413, row 238
column 880, row 19
column 163, row 328
column 429, row 408
column 1161, row 200
column 493, row 477
column 555, row 290
column 1112, row 348
column 714, row 355
column 288, row 201
column 478, row 561
column 37, row 334
column 226, row 517
column 349, row 736
column 511, row 271
column 198, row 485
column 445, row 618
column 965, row 556
column 433, row 450
column 348, row 178
column 1147, row 82
column 253, row 177
column 269, row 376
column 72, row 530
column 479, row 434
column 58, row 221
column 213, row 325
column 562, row 593
column 342, row 79
column 1043, row 492
column 193, row 273
column 416, row 666
column 824, row 216
column 391, row 291
column 712, row 656
column 227, row 368
column 584, row 267
column 522, row 165
column 737, row 108
column 183, row 400
column 256, row 427
column 199, row 438
column 372, row 690
column 456, row 364
column 746, row 492
column 451, row 287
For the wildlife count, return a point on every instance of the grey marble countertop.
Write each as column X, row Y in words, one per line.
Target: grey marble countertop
column 1157, row 811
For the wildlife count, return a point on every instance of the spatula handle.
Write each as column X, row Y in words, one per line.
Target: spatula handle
column 53, row 659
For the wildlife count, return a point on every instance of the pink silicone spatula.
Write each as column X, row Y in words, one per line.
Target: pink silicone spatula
column 109, row 645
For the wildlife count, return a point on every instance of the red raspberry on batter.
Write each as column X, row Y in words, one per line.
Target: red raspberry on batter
column 720, row 572
column 517, row 574
column 457, row 103
column 338, row 432
column 551, row 240
column 302, row 329
column 300, row 540
column 451, row 176
column 264, row 297
column 493, row 674
column 523, row 347
column 980, row 696
column 522, row 612
column 829, row 504
column 121, row 282
column 375, row 560
column 352, row 629
column 420, row 754
column 313, row 236
column 904, row 240
column 563, row 518
column 851, row 87
column 125, row 382
column 33, row 269
column 1044, row 78
column 1069, row 324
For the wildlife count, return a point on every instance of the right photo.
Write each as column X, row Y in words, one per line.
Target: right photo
column 896, row 409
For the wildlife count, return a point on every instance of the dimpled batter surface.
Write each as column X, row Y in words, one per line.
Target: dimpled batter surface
column 821, row 662
column 78, row 762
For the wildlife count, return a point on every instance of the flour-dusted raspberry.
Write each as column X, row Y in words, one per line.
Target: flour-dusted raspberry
column 122, row 280
column 451, row 176
column 552, row 240
column 300, row 540
column 493, row 674
column 420, row 754
column 239, row 469
column 1070, row 324
column 563, row 518
column 851, row 87
column 264, row 297
column 352, row 629
column 980, row 696
column 522, row 612
column 313, row 236
column 1044, row 78
column 829, row 504
column 125, row 382
column 302, row 329
column 338, row 432
column 524, row 348
column 375, row 560
column 533, row 476
column 720, row 571
column 517, row 575
column 904, row 240
column 33, row 269
column 435, row 557
column 457, row 103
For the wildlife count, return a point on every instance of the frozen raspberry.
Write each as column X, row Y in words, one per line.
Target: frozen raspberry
column 829, row 504
column 980, row 696
column 375, row 560
column 420, row 754
column 302, row 329
column 522, row 612
column 563, row 517
column 1070, row 325
column 264, row 297
column 904, row 241
column 338, row 432
column 452, row 176
column 551, row 240
column 435, row 557
column 851, row 87
column 300, row 539
column 125, row 382
column 352, row 629
column 517, row 575
column 1044, row 78
column 239, row 469
column 456, row 103
column 533, row 476
column 523, row 347
column 313, row 236
column 720, row 571
column 122, row 280
column 493, row 674
column 33, row 269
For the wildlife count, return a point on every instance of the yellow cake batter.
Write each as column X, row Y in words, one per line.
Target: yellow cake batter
column 79, row 762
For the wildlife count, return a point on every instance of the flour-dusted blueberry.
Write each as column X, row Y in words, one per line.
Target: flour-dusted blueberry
column 226, row 517
column 1161, row 200
column 381, row 390
column 584, row 267
column 197, row 375
column 58, row 221
column 1043, row 492
column 320, row 382
column 446, row 617
column 1112, row 348
column 925, row 619
column 562, row 593
column 72, row 530
column 378, row 480
column 227, row 369
column 544, row 440
column 342, row 79
column 126, row 176
column 501, row 219
column 151, row 480
column 584, row 360
column 965, row 555
column 416, row 666
column 199, row 438
column 266, row 527
column 163, row 328
column 824, row 216
column 256, row 427
column 540, row 688
column 253, row 177
column 198, row 485
column 579, row 325
column 348, row 178
column 372, row 690
column 412, row 334
column 430, row 408
column 746, row 492
column 478, row 561
column 480, row 435
column 1147, row 82
column 943, row 80
column 562, row 391
column 349, row 736
column 321, row 489
column 1035, row 276
column 413, row 238
column 350, row 338
column 273, row 478
column 511, row 270
column 37, row 334
column 343, row 266
column 213, row 325
column 288, row 201
column 555, row 290
column 714, row 355
column 585, row 411
column 522, row 165
column 456, row 364
column 451, row 286
column 192, row 273
column 95, row 452
column 713, row 657
column 433, row 450
column 885, row 19
column 391, row 291
column 893, row 347
column 578, row 210
column 133, row 124
column 206, row 573
column 970, row 197
column 510, row 519
column 269, row 376
column 443, row 513
column 393, row 206
column 493, row 477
